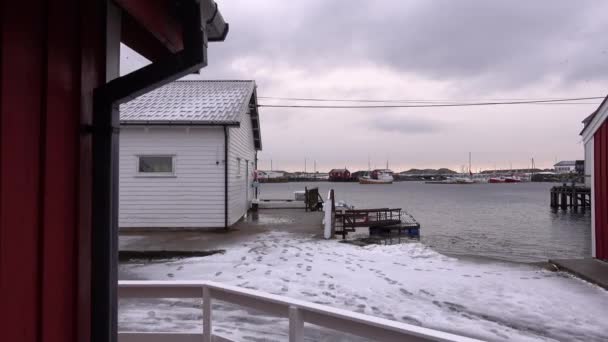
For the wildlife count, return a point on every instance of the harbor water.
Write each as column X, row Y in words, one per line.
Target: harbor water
column 505, row 221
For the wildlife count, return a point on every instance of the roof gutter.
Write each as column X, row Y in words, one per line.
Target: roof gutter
column 104, row 130
column 179, row 123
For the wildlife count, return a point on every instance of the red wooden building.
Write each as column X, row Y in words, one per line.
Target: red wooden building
column 59, row 94
column 595, row 137
column 339, row 175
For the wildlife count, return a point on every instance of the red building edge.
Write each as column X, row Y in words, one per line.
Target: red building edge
column 595, row 137
column 59, row 91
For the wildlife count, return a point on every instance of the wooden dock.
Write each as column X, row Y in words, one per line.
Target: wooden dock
column 381, row 222
column 570, row 196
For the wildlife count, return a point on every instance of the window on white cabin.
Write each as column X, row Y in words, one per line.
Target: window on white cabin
column 238, row 167
column 155, row 165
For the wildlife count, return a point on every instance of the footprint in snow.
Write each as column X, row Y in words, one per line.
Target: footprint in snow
column 390, row 281
column 217, row 273
column 406, row 292
column 267, row 272
column 308, row 268
column 426, row 293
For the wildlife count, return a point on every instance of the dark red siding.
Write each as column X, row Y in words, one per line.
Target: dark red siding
column 601, row 191
column 52, row 56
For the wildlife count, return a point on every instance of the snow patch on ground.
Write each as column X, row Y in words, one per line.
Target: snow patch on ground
column 407, row 282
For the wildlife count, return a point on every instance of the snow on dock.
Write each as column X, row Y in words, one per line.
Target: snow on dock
column 406, row 282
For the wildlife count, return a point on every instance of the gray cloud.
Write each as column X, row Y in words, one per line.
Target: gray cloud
column 423, row 49
column 496, row 43
column 405, row 125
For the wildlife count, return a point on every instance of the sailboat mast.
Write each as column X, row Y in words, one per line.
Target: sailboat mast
column 470, row 172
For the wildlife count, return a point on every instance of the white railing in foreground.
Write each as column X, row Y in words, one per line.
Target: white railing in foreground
column 298, row 312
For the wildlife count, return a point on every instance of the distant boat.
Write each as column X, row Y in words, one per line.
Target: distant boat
column 455, row 180
column 377, row 177
column 510, row 179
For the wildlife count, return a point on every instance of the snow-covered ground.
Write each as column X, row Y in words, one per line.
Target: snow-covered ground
column 407, row 282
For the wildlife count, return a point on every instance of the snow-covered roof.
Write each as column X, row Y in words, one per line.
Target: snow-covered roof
column 195, row 103
column 566, row 163
column 219, row 102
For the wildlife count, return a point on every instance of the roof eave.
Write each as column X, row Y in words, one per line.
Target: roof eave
column 593, row 121
column 177, row 123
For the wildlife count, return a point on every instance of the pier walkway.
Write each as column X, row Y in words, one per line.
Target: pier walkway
column 592, row 270
column 570, row 196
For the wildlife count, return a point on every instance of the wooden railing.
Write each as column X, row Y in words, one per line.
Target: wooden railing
column 298, row 312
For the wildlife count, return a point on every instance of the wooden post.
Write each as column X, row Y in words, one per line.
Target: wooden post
column 564, row 200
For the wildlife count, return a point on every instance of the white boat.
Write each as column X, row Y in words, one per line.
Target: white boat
column 377, row 177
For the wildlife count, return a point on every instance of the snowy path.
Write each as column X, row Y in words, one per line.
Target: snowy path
column 408, row 282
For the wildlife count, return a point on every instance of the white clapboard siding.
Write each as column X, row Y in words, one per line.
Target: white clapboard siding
column 240, row 145
column 193, row 198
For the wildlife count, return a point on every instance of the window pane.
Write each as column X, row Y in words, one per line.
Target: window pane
column 155, row 164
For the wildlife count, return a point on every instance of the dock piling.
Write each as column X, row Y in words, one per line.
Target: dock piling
column 570, row 196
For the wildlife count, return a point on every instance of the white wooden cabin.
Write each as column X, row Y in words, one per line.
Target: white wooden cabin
column 188, row 154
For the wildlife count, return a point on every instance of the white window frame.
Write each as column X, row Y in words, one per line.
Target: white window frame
column 155, row 174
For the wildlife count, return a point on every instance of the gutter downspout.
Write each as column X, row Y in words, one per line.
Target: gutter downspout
column 104, row 130
column 225, row 177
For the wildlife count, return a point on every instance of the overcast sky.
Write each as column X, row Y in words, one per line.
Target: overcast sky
column 422, row 50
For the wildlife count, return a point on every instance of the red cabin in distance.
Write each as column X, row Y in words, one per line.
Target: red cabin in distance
column 339, row 175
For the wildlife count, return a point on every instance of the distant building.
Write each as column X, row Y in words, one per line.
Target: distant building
column 595, row 138
column 565, row 166
column 339, row 175
column 188, row 155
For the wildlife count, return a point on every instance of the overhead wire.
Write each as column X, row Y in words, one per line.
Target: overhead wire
column 429, row 105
